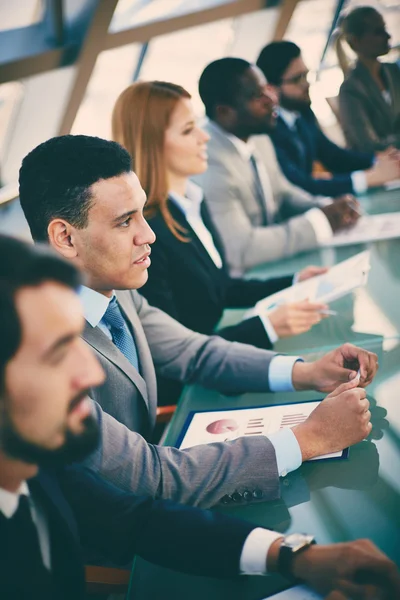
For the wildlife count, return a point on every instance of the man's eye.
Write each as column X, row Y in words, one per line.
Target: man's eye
column 125, row 223
column 187, row 131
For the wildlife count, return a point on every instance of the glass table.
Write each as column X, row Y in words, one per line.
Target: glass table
column 334, row 500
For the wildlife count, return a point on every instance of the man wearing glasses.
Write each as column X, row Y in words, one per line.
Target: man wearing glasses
column 299, row 141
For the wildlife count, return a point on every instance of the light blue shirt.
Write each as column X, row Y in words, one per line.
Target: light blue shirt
column 287, row 449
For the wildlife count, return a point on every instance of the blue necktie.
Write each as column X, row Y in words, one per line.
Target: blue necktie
column 121, row 335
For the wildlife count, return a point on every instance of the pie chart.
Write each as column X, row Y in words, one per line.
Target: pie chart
column 222, row 426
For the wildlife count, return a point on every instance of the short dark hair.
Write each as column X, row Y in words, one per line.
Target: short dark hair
column 275, row 58
column 23, row 265
column 55, row 179
column 353, row 22
column 219, row 81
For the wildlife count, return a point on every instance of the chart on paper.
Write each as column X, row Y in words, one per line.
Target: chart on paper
column 223, row 426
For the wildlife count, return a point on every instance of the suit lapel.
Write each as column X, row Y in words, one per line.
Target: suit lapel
column 195, row 244
column 145, row 359
column 374, row 93
column 100, row 342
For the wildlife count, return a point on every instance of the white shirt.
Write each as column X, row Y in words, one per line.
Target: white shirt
column 8, row 506
column 190, row 205
column 358, row 178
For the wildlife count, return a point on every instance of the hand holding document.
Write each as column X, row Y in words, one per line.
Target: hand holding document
column 322, row 289
column 369, row 228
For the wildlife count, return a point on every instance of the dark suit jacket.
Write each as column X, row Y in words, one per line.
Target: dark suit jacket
column 185, row 283
column 297, row 151
column 368, row 121
column 85, row 511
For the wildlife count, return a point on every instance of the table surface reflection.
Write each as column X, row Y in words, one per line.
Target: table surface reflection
column 337, row 500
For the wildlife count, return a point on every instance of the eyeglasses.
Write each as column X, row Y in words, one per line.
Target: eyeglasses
column 296, row 79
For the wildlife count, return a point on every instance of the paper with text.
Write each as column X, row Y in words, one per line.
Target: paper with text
column 226, row 425
column 337, row 282
column 369, row 228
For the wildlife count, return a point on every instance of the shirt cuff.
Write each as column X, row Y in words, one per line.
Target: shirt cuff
column 359, row 181
column 280, row 373
column 287, row 451
column 320, row 224
column 253, row 560
column 269, row 328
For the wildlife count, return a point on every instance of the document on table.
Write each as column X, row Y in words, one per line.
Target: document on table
column 205, row 427
column 369, row 228
column 299, row 592
column 337, row 282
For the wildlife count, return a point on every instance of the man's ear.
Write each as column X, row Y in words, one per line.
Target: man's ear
column 61, row 238
column 225, row 113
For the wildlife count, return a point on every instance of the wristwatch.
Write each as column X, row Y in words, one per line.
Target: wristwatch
column 291, row 546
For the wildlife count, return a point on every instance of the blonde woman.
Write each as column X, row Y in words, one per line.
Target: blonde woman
column 369, row 98
column 188, row 278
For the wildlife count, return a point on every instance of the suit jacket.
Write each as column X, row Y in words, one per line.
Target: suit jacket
column 229, row 189
column 298, row 150
column 131, row 398
column 368, row 121
column 83, row 510
column 185, row 282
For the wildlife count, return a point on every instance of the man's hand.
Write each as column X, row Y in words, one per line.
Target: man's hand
column 334, row 368
column 343, row 213
column 386, row 168
column 339, row 421
column 293, row 319
column 311, row 271
column 357, row 570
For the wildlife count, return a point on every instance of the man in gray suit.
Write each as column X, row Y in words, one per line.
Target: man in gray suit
column 80, row 194
column 260, row 215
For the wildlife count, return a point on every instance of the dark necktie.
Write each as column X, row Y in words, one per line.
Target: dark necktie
column 120, row 333
column 260, row 196
column 23, row 557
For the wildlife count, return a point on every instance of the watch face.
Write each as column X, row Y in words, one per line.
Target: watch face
column 295, row 541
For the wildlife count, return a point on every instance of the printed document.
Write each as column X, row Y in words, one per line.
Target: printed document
column 299, row 592
column 205, row 427
column 337, row 282
column 369, row 228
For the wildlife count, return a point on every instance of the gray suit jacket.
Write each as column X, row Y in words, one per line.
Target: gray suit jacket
column 369, row 122
column 201, row 475
column 228, row 186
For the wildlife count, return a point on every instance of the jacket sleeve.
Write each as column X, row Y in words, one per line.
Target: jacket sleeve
column 120, row 525
column 182, row 354
column 243, row 293
column 247, row 245
column 341, row 160
column 250, row 331
column 199, row 476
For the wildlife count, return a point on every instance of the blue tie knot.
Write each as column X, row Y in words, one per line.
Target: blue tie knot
column 113, row 315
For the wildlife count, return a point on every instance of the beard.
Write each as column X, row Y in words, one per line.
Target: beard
column 75, row 448
column 300, row 105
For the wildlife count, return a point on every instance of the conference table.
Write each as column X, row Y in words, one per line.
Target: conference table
column 358, row 497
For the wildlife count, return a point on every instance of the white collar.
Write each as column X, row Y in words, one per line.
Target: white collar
column 94, row 305
column 245, row 149
column 289, row 116
column 9, row 500
column 189, row 203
